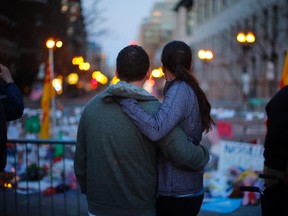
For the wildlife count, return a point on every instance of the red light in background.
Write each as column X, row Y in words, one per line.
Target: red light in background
column 94, row 83
column 133, row 42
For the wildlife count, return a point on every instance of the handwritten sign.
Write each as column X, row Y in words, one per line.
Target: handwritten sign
column 243, row 155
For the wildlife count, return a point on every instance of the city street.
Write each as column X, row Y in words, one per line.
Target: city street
column 74, row 204
column 58, row 55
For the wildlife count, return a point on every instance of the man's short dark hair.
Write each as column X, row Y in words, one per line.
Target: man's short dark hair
column 132, row 63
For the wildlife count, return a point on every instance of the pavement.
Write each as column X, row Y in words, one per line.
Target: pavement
column 73, row 203
column 242, row 211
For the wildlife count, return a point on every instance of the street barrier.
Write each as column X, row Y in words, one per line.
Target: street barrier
column 39, row 179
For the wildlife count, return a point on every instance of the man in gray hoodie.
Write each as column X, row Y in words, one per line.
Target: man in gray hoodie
column 115, row 164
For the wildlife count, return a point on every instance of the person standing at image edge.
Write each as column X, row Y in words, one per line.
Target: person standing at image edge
column 11, row 108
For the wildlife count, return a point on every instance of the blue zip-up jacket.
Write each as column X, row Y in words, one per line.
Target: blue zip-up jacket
column 11, row 108
column 180, row 107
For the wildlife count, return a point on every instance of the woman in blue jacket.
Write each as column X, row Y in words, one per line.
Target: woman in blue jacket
column 180, row 192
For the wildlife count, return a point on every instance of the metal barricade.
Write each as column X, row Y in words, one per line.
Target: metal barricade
column 40, row 179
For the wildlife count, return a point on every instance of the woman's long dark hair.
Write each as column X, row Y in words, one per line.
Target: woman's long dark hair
column 177, row 58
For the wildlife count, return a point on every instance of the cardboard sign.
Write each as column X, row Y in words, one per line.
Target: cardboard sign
column 242, row 155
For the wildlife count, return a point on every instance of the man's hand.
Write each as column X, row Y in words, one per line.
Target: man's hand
column 5, row 74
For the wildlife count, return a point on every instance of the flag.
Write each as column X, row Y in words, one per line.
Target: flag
column 284, row 79
column 48, row 93
column 36, row 93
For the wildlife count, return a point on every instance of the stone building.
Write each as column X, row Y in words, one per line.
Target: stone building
column 24, row 28
column 239, row 72
column 158, row 29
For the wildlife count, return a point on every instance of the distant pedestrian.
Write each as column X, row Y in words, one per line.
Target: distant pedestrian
column 115, row 164
column 275, row 200
column 11, row 108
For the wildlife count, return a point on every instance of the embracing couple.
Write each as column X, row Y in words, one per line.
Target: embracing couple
column 137, row 156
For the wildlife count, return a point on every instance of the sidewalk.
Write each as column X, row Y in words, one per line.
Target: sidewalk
column 74, row 204
column 242, row 211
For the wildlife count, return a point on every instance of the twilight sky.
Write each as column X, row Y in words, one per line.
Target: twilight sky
column 122, row 20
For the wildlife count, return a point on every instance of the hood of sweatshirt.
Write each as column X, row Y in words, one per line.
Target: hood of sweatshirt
column 124, row 89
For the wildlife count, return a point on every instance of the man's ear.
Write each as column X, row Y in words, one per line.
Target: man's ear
column 116, row 73
column 148, row 74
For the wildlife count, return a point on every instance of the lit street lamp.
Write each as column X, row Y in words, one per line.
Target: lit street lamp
column 246, row 41
column 205, row 56
column 248, row 38
column 50, row 44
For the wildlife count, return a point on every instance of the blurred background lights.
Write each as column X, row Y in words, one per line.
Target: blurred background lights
column 59, row 44
column 205, row 54
column 50, row 43
column 133, row 42
column 157, row 73
column 77, row 60
column 99, row 77
column 114, row 80
column 84, row 66
column 148, row 85
column 246, row 38
column 57, row 84
column 241, row 37
column 250, row 37
column 72, row 78
column 157, row 13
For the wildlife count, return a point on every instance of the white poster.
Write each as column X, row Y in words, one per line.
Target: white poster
column 242, row 155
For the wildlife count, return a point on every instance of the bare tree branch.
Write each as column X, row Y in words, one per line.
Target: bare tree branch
column 94, row 21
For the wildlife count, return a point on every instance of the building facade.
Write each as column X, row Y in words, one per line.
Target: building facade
column 240, row 72
column 157, row 29
column 27, row 24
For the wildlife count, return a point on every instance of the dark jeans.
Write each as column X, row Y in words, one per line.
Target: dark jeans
column 178, row 206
